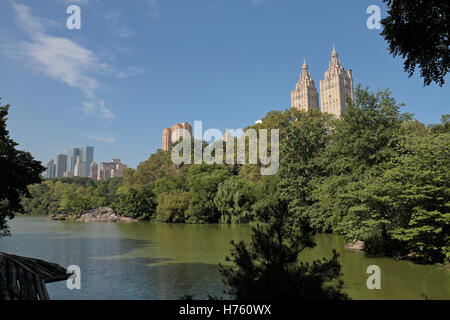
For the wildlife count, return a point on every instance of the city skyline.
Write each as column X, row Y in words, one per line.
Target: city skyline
column 79, row 162
column 129, row 86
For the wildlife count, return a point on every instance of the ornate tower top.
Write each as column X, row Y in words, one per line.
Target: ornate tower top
column 305, row 96
column 305, row 71
column 305, row 75
column 334, row 56
column 336, row 87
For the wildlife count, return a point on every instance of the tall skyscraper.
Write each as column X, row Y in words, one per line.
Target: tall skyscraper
column 72, row 154
column 87, row 155
column 61, row 165
column 51, row 169
column 80, row 168
column 177, row 132
column 305, row 96
column 336, row 88
column 93, row 171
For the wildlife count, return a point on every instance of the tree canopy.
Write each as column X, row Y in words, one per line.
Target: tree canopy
column 269, row 268
column 375, row 174
column 419, row 31
column 18, row 169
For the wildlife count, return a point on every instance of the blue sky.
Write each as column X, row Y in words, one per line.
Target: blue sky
column 137, row 67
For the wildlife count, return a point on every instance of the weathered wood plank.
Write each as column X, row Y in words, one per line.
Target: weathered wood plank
column 4, row 293
column 26, row 278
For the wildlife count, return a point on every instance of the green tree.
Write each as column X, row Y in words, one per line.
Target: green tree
column 250, row 172
column 18, row 170
column 168, row 184
column 76, row 199
column 136, row 203
column 172, row 206
column 415, row 193
column 269, row 268
column 234, row 199
column 158, row 165
column 419, row 31
column 444, row 126
column 267, row 191
column 305, row 142
column 39, row 201
column 362, row 144
column 203, row 183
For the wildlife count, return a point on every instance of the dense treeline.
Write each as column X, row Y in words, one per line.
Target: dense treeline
column 375, row 175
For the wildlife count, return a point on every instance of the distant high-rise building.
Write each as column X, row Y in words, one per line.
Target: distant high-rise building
column 72, row 154
column 111, row 169
column 68, row 174
column 87, row 155
column 51, row 169
column 305, row 96
column 177, row 132
column 227, row 135
column 336, row 87
column 61, row 165
column 80, row 168
column 118, row 170
column 93, row 171
column 166, row 139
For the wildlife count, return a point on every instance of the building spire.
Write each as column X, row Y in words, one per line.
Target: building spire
column 334, row 55
column 334, row 52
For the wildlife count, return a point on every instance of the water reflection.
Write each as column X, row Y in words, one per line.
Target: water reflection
column 168, row 261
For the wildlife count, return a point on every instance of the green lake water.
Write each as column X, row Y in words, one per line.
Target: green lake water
column 168, row 261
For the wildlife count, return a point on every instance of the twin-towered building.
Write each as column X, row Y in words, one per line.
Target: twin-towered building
column 335, row 89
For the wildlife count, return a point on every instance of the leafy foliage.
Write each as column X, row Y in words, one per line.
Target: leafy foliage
column 172, row 206
column 269, row 267
column 305, row 142
column 203, row 183
column 136, row 203
column 234, row 199
column 375, row 175
column 419, row 31
column 18, row 170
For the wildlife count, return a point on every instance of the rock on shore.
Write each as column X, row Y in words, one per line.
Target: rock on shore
column 95, row 215
column 355, row 245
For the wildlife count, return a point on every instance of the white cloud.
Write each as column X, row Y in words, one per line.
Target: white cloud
column 77, row 1
column 100, row 138
column 154, row 8
column 130, row 72
column 113, row 17
column 61, row 59
column 97, row 107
